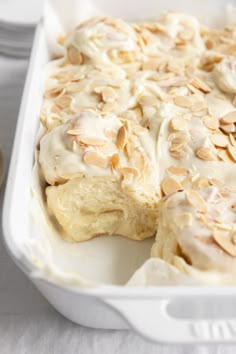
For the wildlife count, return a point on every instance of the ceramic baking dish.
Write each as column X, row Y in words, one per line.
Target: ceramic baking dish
column 162, row 314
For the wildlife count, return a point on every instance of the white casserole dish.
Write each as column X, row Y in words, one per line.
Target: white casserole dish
column 147, row 310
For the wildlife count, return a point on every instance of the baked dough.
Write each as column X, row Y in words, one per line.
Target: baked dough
column 107, row 174
column 200, row 227
column 139, row 135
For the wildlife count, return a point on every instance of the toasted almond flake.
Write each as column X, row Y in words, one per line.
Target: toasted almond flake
column 232, row 140
column 74, row 131
column 201, row 85
column 178, row 123
column 170, row 185
column 179, row 154
column 234, row 207
column 211, row 122
column 209, row 43
column 108, row 94
column 98, row 89
column 152, row 64
column 198, row 106
column 122, row 137
column 224, row 155
column 63, row 101
column 77, row 77
column 216, row 182
column 177, row 171
column 52, row 93
column 201, row 113
column 206, row 154
column 232, row 152
column 183, row 101
column 115, row 159
column 202, row 218
column 55, row 109
column 175, row 147
column 222, row 239
column 183, row 220
column 148, row 101
column 92, row 141
column 234, row 238
column 193, row 89
column 229, row 118
column 234, row 101
column 108, row 149
column 220, row 140
column 196, row 200
column 74, row 55
column 200, row 183
column 179, row 138
column 128, row 170
column 109, row 107
column 95, row 159
column 228, row 128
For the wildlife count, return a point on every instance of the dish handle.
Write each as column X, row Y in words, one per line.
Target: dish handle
column 150, row 318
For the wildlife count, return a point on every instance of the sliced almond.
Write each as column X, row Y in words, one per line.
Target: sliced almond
column 152, row 64
column 228, row 128
column 178, row 123
column 186, row 35
column 108, row 94
column 229, row 118
column 115, row 159
column 122, row 137
column 211, row 122
column 174, row 147
column 206, row 154
column 198, row 106
column 232, row 140
column 201, row 85
column 234, row 101
column 52, row 93
column 111, row 134
column 55, row 109
column 63, row 101
column 220, row 140
column 234, row 207
column 109, row 107
column 74, row 55
column 196, row 200
column 200, row 183
column 177, row 170
column 92, row 141
column 95, row 159
column 183, row 220
column 179, row 138
column 128, row 170
column 222, row 239
column 216, row 182
column 183, row 101
column 179, row 154
column 209, row 43
column 74, row 131
column 234, row 238
column 170, row 185
column 148, row 101
column 232, row 152
column 108, row 149
column 224, row 156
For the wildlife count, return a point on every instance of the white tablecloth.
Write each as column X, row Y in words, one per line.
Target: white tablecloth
column 28, row 324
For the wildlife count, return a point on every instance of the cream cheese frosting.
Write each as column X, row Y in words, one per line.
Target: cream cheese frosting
column 150, row 108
